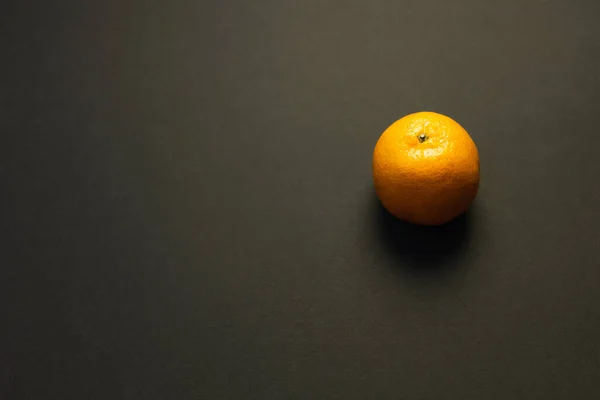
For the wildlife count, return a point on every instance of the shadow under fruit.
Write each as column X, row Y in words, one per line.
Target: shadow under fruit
column 423, row 248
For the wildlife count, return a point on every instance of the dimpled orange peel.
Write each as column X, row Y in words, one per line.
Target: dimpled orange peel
column 426, row 169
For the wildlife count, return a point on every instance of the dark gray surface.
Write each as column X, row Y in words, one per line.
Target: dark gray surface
column 187, row 207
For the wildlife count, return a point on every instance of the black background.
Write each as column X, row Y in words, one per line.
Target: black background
column 187, row 205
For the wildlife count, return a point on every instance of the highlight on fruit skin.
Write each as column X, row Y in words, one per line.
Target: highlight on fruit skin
column 426, row 169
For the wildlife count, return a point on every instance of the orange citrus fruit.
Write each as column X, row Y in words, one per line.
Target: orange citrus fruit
column 426, row 169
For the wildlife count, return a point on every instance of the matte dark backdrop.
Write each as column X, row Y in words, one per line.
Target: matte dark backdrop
column 187, row 209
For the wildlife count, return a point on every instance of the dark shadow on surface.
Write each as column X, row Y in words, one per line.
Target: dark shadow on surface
column 423, row 250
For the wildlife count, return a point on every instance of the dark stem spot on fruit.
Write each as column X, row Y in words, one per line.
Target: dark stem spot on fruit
column 422, row 137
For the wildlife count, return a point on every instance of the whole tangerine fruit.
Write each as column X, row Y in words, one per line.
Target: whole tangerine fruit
column 426, row 169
